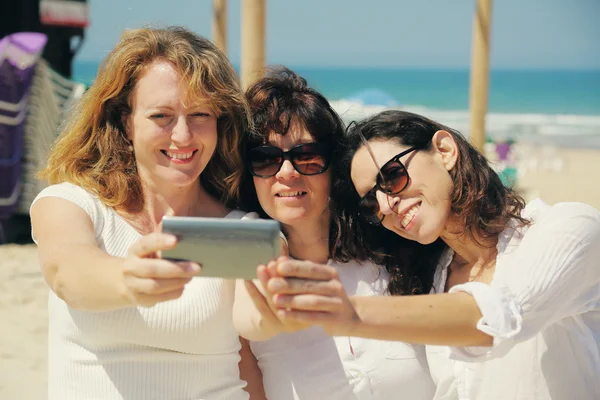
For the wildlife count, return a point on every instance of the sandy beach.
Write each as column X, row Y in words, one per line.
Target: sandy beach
column 23, row 299
column 550, row 172
column 557, row 173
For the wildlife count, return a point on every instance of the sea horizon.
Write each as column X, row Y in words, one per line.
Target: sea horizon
column 557, row 104
column 520, row 91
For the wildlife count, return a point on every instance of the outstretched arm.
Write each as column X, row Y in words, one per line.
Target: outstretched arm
column 550, row 275
column 86, row 277
column 312, row 293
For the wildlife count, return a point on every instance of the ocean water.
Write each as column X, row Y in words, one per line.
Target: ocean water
column 522, row 103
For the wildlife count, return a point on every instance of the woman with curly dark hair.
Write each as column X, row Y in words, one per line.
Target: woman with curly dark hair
column 515, row 312
column 288, row 178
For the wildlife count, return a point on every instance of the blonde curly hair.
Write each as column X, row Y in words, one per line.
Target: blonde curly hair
column 92, row 149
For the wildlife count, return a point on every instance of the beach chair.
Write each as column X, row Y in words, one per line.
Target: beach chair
column 50, row 101
column 19, row 53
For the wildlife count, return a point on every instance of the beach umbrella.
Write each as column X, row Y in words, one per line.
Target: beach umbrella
column 373, row 97
column 480, row 61
column 253, row 40
column 219, row 27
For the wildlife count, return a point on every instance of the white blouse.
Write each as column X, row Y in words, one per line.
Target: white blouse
column 542, row 308
column 312, row 365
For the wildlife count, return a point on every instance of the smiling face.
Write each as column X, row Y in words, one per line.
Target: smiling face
column 420, row 211
column 173, row 140
column 289, row 197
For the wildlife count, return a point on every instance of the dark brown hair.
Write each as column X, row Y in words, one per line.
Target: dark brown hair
column 277, row 101
column 480, row 200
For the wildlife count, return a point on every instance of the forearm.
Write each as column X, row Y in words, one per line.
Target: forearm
column 248, row 325
column 247, row 319
column 441, row 319
column 250, row 372
column 85, row 277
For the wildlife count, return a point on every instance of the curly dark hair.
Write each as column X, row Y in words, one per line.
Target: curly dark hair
column 278, row 100
column 480, row 200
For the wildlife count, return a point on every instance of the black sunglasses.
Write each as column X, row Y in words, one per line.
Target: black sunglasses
column 392, row 178
column 307, row 159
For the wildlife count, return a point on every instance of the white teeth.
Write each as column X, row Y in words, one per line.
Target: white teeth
column 409, row 215
column 290, row 194
column 179, row 156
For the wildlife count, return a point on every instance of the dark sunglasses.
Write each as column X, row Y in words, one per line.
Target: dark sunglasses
column 307, row 159
column 391, row 179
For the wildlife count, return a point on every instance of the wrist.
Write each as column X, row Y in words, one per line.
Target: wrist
column 125, row 296
column 356, row 323
column 264, row 328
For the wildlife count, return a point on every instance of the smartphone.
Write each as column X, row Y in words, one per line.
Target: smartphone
column 225, row 248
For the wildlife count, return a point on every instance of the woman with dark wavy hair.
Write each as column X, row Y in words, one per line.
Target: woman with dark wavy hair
column 288, row 178
column 515, row 312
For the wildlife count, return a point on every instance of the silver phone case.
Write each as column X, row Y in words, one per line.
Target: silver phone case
column 225, row 248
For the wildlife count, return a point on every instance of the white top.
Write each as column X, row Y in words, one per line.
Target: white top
column 542, row 308
column 180, row 349
column 311, row 365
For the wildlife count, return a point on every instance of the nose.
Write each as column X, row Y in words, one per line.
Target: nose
column 181, row 135
column 387, row 203
column 287, row 171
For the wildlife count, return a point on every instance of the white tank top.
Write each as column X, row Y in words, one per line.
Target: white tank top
column 181, row 349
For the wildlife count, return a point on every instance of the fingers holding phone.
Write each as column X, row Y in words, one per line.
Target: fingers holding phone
column 271, row 323
column 311, row 293
column 148, row 279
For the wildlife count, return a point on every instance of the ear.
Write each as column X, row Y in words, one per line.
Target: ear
column 445, row 146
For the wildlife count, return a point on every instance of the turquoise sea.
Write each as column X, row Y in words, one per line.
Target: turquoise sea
column 521, row 102
column 511, row 91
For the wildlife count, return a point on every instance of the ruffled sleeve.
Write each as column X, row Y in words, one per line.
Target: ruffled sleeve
column 550, row 273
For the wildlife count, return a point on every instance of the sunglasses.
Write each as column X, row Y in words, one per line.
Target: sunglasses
column 391, row 179
column 307, row 159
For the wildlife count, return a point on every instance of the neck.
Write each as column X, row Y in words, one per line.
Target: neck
column 162, row 199
column 470, row 251
column 309, row 241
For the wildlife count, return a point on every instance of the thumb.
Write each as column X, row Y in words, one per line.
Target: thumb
column 169, row 213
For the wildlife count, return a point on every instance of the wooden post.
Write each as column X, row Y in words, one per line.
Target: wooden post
column 480, row 74
column 219, row 27
column 253, row 41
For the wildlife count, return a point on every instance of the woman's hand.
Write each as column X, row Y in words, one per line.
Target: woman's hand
column 149, row 280
column 309, row 293
column 270, row 323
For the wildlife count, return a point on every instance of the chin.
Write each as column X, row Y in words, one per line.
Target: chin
column 427, row 237
column 181, row 179
column 418, row 236
column 291, row 217
column 426, row 241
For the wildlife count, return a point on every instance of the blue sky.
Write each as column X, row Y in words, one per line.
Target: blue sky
column 539, row 34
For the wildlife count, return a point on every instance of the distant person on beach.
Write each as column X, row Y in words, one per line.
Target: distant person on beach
column 515, row 312
column 156, row 134
column 288, row 178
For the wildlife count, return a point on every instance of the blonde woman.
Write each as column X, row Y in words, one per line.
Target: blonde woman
column 156, row 134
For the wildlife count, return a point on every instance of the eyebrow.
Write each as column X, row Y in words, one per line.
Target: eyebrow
column 157, row 106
